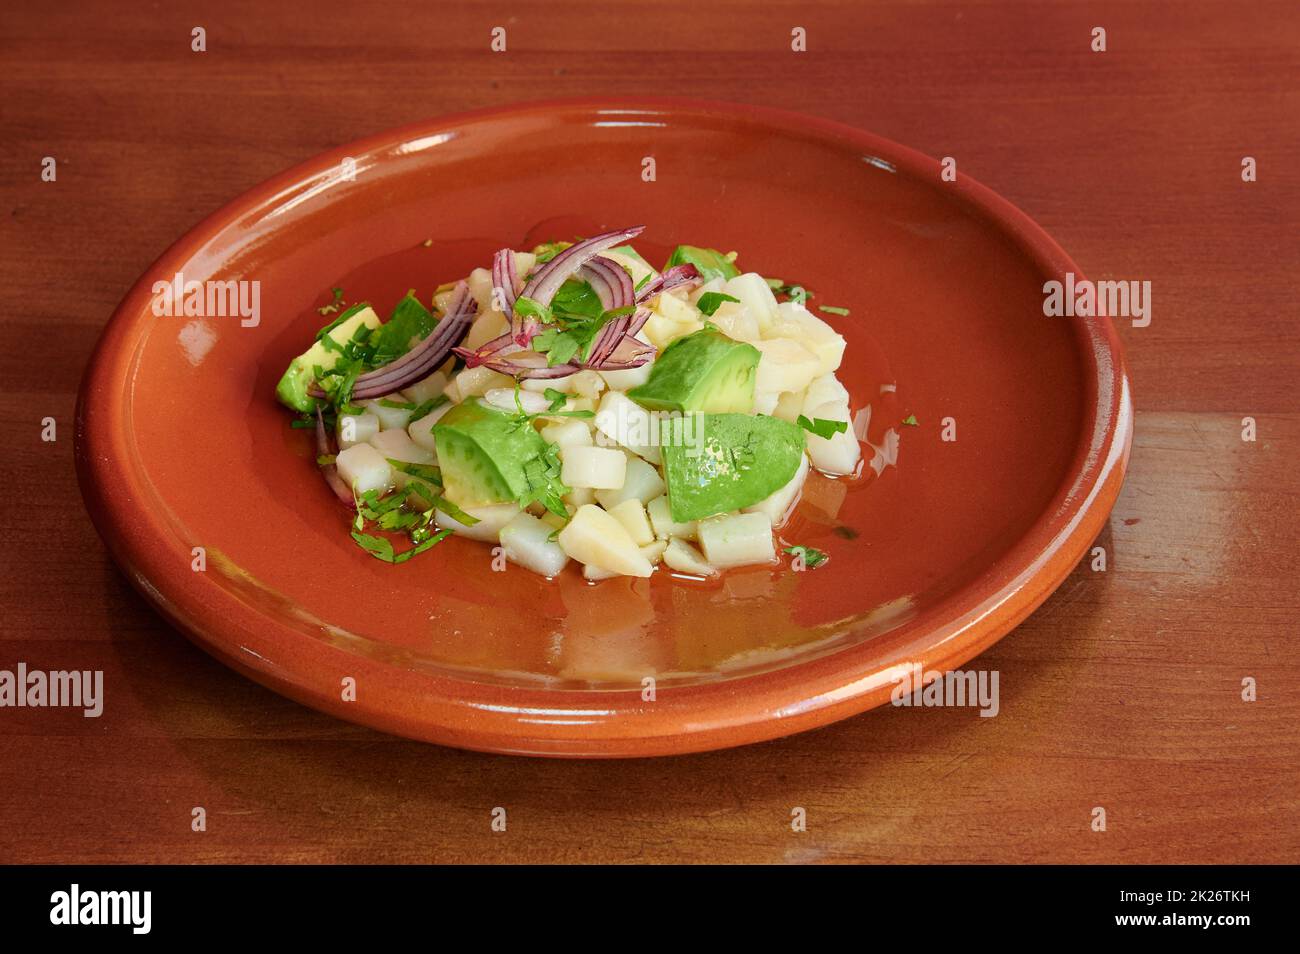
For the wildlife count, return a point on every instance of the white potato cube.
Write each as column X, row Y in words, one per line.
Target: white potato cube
column 840, row 453
column 421, row 431
column 797, row 322
column 765, row 402
column 594, row 538
column 567, row 432
column 672, row 306
column 480, row 286
column 426, row 388
column 737, row 539
column 629, row 425
column 541, row 385
column 631, row 514
column 684, row 558
column 356, row 428
column 755, row 294
column 389, row 417
column 778, row 506
column 475, row 381
column 789, row 406
column 578, row 497
column 661, row 331
column 786, row 365
column 629, row 378
column 600, row 468
column 654, row 550
column 588, row 384
column 734, row 320
column 487, row 326
column 364, row 469
column 642, row 482
column 491, row 520
column 510, row 400
column 824, row 390
column 397, row 445
column 527, row 541
column 661, row 518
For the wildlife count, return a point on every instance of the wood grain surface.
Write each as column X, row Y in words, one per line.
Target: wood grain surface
column 1123, row 692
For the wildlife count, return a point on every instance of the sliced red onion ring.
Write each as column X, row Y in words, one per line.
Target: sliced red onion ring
column 505, row 278
column 675, row 277
column 424, row 357
column 495, row 349
column 610, row 281
column 325, row 448
column 546, row 281
column 530, row 364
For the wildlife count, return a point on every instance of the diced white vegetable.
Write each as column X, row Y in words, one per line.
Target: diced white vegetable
column 661, row 331
column 578, row 497
column 475, row 381
column 421, row 431
column 631, row 514
column 765, row 402
column 654, row 550
column 595, row 573
column 595, row 538
column 824, row 390
column 674, row 307
column 480, row 286
column 790, row 406
column 488, row 325
column 356, row 428
column 567, row 432
column 600, row 468
column 684, row 558
column 580, row 404
column 426, row 388
column 635, row 265
column 629, row 425
column 661, row 518
column 504, row 399
column 527, row 541
column 734, row 320
column 737, row 539
column 786, row 365
column 587, row 384
column 797, row 322
column 629, row 378
column 524, row 262
column 452, row 393
column 542, row 385
column 397, row 445
column 753, row 291
column 389, row 417
column 777, row 507
column 363, row 468
column 642, row 482
column 490, row 521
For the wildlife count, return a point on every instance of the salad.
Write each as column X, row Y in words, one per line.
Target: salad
column 573, row 403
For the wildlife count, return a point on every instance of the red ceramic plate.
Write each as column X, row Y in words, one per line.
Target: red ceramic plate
column 181, row 445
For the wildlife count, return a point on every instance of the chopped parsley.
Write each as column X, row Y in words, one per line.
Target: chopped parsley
column 711, row 301
column 557, row 398
column 911, row 421
column 811, row 557
column 822, row 427
column 833, row 310
column 333, row 307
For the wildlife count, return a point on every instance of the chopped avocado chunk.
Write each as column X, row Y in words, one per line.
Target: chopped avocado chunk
column 485, row 453
column 736, row 460
column 292, row 389
column 704, row 371
column 710, row 262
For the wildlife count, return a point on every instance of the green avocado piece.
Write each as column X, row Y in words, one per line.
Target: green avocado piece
column 292, row 389
column 710, row 262
column 704, row 371
column 483, row 452
column 729, row 462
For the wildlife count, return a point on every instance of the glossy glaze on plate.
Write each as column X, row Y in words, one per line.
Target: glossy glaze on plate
column 180, row 442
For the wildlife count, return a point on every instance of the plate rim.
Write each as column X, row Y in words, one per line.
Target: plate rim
column 457, row 710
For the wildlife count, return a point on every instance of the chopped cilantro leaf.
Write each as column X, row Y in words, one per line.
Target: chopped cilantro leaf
column 711, row 301
column 833, row 310
column 911, row 421
column 811, row 557
column 823, row 428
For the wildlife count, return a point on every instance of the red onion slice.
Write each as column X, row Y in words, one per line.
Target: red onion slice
column 610, row 281
column 505, row 280
column 530, row 364
column 675, row 277
column 495, row 349
column 424, row 357
column 546, row 281
column 325, row 448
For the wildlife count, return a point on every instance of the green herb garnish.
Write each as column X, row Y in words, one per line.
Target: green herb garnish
column 335, row 305
column 711, row 301
column 811, row 556
column 833, row 310
column 911, row 421
column 823, row 428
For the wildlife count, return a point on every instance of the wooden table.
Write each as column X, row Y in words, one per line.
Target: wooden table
column 1123, row 691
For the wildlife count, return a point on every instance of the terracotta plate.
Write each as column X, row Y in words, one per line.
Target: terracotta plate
column 180, row 444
